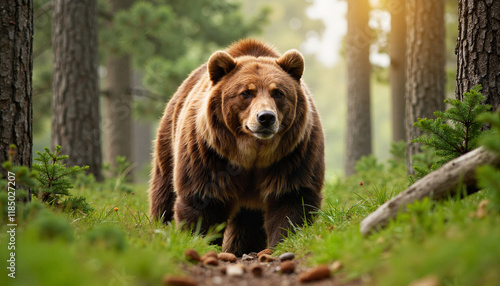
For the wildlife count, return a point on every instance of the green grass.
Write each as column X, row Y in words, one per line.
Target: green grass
column 441, row 239
column 106, row 247
column 101, row 248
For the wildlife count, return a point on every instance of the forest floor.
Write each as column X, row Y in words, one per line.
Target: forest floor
column 271, row 275
column 446, row 242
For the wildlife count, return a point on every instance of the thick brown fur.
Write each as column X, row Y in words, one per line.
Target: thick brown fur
column 241, row 143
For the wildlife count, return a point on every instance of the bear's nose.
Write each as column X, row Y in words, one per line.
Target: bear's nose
column 266, row 118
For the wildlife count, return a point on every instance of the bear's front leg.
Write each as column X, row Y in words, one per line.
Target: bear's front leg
column 293, row 208
column 245, row 232
column 212, row 212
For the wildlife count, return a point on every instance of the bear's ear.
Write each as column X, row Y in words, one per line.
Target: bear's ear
column 220, row 64
column 293, row 63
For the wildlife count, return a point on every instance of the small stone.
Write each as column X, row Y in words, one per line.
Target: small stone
column 192, row 255
column 266, row 258
column 226, row 256
column 247, row 257
column 253, row 254
column 209, row 254
column 256, row 270
column 336, row 266
column 316, row 273
column 287, row 267
column 235, row 270
column 265, row 251
column 287, row 256
column 179, row 281
column 211, row 261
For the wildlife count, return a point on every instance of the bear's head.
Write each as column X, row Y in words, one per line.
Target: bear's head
column 259, row 94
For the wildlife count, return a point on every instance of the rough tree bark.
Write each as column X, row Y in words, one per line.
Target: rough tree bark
column 117, row 121
column 478, row 49
column 75, row 89
column 358, row 132
column 16, row 66
column 397, row 46
column 425, row 70
column 436, row 185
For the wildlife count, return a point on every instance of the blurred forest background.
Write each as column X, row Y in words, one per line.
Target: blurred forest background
column 162, row 41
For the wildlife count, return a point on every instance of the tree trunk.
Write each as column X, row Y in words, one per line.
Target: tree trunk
column 358, row 131
column 142, row 148
column 75, row 102
column 16, row 66
column 425, row 70
column 478, row 49
column 117, row 103
column 436, row 185
column 397, row 45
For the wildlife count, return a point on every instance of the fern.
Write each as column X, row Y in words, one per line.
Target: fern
column 455, row 131
column 54, row 176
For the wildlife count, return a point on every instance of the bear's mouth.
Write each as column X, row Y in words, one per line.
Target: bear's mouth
column 262, row 133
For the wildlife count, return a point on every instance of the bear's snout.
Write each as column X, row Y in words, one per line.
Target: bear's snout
column 266, row 118
column 264, row 124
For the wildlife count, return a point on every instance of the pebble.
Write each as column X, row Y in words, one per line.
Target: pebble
column 256, row 270
column 287, row 256
column 266, row 258
column 265, row 251
column 209, row 254
column 192, row 255
column 287, row 267
column 211, row 261
column 226, row 256
column 247, row 257
column 316, row 273
column 336, row 266
column 253, row 254
column 179, row 281
column 235, row 270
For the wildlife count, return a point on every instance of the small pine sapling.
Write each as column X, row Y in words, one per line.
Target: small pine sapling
column 54, row 176
column 454, row 132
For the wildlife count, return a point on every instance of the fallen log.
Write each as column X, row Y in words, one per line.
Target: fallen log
column 436, row 185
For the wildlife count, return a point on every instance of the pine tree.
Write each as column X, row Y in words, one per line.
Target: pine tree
column 53, row 176
column 455, row 131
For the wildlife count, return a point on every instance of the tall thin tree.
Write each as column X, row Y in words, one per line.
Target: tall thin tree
column 425, row 66
column 359, row 35
column 478, row 49
column 117, row 121
column 397, row 47
column 16, row 66
column 75, row 102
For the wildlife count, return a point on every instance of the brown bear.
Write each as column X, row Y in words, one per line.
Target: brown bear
column 240, row 143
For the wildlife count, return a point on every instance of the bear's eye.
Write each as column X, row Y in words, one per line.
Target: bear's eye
column 246, row 94
column 278, row 93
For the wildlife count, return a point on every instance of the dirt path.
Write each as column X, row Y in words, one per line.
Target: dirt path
column 227, row 273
